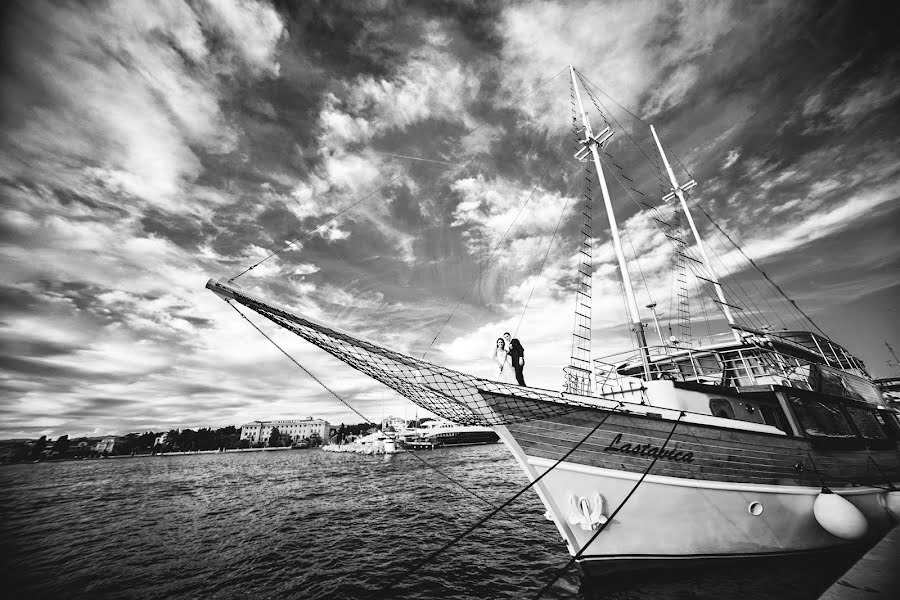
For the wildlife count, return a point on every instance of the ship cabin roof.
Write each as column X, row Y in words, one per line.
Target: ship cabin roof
column 829, row 352
column 794, row 359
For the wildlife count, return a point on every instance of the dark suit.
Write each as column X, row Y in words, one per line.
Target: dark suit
column 517, row 357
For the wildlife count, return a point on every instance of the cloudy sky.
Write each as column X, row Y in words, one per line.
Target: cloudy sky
column 149, row 146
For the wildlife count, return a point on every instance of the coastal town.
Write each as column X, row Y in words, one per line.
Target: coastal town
column 307, row 432
column 281, row 434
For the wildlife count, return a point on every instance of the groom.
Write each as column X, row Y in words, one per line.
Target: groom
column 516, row 356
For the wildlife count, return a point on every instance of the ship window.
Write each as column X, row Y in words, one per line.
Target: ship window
column 754, row 362
column 720, row 407
column 774, row 416
column 889, row 423
column 840, row 356
column 665, row 370
column 709, row 364
column 822, row 419
column 737, row 369
column 686, row 368
column 866, row 422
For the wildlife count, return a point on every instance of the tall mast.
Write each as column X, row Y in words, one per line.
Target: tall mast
column 679, row 191
column 592, row 145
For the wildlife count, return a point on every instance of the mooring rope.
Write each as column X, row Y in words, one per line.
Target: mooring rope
column 430, row 558
column 584, row 547
column 887, row 480
column 345, row 403
column 823, row 476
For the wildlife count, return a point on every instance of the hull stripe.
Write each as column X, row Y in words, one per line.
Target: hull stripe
column 702, row 483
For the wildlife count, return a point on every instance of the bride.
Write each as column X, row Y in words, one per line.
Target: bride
column 504, row 369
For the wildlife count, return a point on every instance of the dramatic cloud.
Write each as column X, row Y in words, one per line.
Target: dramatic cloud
column 408, row 174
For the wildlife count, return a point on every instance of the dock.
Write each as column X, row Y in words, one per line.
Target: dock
column 875, row 576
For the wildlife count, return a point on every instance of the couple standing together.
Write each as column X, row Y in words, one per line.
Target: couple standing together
column 509, row 355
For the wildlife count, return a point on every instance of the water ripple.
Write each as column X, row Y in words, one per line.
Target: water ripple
column 303, row 524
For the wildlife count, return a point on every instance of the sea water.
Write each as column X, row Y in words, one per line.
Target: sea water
column 313, row 524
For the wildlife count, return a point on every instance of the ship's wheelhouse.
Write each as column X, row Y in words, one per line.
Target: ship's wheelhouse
column 828, row 352
column 800, row 360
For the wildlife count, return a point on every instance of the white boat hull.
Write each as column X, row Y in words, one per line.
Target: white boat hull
column 669, row 522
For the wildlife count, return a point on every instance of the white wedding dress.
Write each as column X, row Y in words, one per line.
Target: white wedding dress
column 507, row 373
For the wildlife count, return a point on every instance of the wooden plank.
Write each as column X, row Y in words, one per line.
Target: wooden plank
column 603, row 436
column 719, row 454
column 734, row 465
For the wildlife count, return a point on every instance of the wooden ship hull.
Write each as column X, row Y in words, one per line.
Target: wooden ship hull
column 715, row 493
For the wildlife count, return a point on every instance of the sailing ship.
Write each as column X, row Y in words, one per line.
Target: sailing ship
column 750, row 444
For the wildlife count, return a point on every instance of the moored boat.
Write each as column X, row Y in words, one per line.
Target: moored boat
column 434, row 434
column 376, row 442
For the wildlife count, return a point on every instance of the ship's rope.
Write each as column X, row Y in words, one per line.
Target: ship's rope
column 543, row 262
column 884, row 476
column 308, row 232
column 703, row 309
column 431, row 557
column 697, row 266
column 787, row 301
column 440, row 162
column 791, row 303
column 499, row 246
column 638, row 263
column 609, row 520
column 585, row 82
column 348, row 405
column 825, row 477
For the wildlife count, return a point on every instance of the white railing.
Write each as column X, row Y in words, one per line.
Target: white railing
column 742, row 366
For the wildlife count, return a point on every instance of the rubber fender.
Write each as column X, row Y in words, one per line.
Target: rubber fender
column 891, row 503
column 839, row 517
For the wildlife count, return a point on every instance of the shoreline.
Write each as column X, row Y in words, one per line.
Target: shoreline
column 156, row 455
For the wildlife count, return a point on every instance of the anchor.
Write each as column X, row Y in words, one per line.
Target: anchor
column 584, row 515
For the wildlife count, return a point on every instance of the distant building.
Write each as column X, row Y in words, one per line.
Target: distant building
column 106, row 444
column 161, row 440
column 397, row 423
column 292, row 429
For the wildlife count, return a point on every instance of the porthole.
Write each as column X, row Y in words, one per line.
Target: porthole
column 755, row 509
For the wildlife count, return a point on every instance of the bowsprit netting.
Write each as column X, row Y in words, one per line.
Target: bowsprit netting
column 456, row 396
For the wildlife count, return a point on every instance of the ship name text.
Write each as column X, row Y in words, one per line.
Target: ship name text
column 648, row 450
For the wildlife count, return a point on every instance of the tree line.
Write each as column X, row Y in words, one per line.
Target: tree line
column 174, row 440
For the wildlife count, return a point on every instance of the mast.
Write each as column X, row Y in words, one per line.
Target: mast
column 592, row 145
column 662, row 342
column 679, row 190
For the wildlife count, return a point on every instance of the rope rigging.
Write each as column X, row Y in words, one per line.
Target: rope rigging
column 791, row 305
column 698, row 267
column 578, row 373
column 754, row 321
column 541, row 269
column 612, row 516
column 498, row 246
column 791, row 302
column 430, row 558
column 347, row 404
